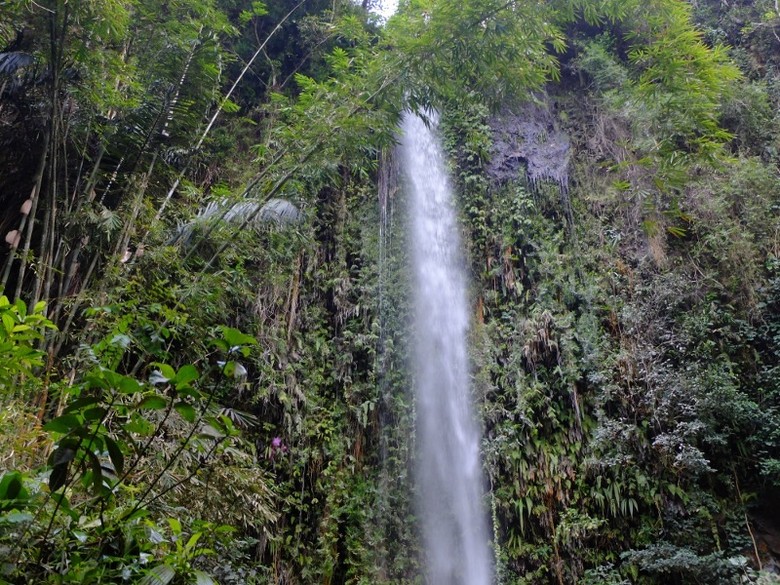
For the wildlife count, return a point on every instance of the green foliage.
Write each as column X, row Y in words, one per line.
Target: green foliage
column 682, row 78
column 750, row 116
column 603, row 69
column 178, row 552
column 495, row 49
column 103, row 481
column 629, row 404
column 657, row 94
column 606, row 414
column 664, row 559
column 19, row 337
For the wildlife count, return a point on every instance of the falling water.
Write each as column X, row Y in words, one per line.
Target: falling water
column 449, row 472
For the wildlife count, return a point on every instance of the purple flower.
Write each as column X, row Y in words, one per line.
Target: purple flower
column 277, row 446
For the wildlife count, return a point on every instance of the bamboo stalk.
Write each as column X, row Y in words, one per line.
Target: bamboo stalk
column 294, row 295
column 124, row 241
column 47, row 236
column 225, row 99
column 76, row 306
column 37, row 182
column 49, row 280
column 28, row 221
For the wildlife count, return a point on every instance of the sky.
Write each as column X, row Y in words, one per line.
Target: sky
column 387, row 7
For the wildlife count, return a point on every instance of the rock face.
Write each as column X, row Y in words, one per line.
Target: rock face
column 527, row 140
column 765, row 520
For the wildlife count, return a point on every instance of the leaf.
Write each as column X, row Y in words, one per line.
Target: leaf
column 80, row 403
column 193, row 541
column 153, row 403
column 115, row 454
column 8, row 322
column 16, row 517
column 21, row 307
column 187, row 411
column 64, row 505
column 234, row 337
column 165, row 370
column 175, row 525
column 229, row 369
column 62, row 455
column 139, row 425
column 230, row 107
column 62, row 424
column 58, row 476
column 202, row 578
column 220, row 344
column 129, row 385
column 96, row 379
column 97, row 473
column 159, row 575
column 12, row 489
column 259, row 8
column 96, row 413
column 186, row 374
column 189, row 391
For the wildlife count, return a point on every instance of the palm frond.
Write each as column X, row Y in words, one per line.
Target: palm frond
column 13, row 60
column 159, row 575
column 277, row 211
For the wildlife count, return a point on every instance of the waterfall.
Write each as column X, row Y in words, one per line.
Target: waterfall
column 449, row 473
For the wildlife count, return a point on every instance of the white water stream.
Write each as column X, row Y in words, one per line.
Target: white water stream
column 449, row 474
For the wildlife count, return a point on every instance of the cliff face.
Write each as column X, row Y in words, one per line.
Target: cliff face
column 624, row 330
column 527, row 139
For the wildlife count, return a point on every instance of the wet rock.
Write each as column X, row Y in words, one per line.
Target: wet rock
column 526, row 140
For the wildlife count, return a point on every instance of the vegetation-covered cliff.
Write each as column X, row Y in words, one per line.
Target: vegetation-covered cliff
column 205, row 316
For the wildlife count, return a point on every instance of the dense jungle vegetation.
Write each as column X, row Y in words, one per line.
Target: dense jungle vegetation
column 205, row 294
